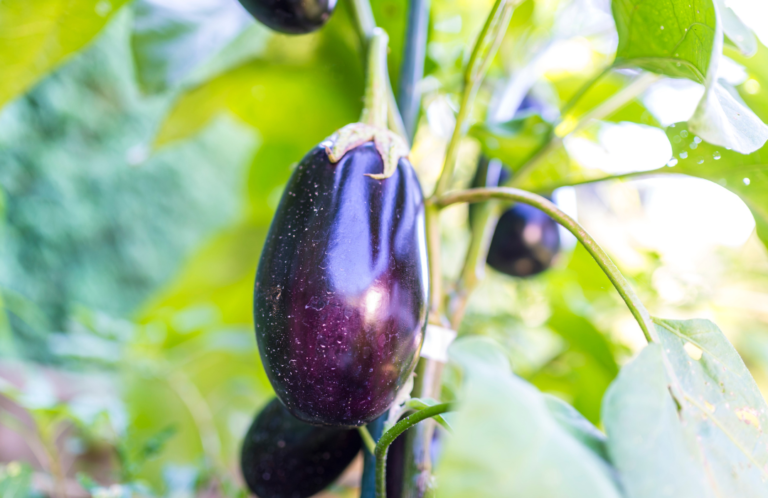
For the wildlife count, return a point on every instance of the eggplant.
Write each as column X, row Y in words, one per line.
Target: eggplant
column 293, row 17
column 283, row 457
column 525, row 240
column 340, row 300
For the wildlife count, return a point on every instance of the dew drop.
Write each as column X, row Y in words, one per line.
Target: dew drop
column 662, row 27
column 746, row 181
column 683, row 155
column 684, row 133
column 672, row 162
column 716, row 155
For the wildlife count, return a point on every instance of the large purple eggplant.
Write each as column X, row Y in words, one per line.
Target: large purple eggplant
column 293, row 17
column 283, row 457
column 341, row 290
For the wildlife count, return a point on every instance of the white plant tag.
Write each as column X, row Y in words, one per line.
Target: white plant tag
column 436, row 342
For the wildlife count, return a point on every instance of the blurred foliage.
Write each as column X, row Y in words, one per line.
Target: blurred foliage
column 138, row 181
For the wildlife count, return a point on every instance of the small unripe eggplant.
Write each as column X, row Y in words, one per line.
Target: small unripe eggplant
column 293, row 17
column 283, row 457
column 341, row 289
column 525, row 240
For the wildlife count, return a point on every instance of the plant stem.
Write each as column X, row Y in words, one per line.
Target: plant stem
column 482, row 54
column 368, row 483
column 375, row 108
column 366, row 24
column 388, row 437
column 515, row 195
column 368, row 441
column 412, row 68
column 483, row 225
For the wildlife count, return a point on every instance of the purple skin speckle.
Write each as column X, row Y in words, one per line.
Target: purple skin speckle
column 341, row 290
column 293, row 17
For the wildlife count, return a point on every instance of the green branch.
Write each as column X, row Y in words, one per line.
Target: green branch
column 482, row 54
column 515, row 195
column 389, row 437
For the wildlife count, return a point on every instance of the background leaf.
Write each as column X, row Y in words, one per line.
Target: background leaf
column 706, row 439
column 547, row 460
column 170, row 39
column 35, row 37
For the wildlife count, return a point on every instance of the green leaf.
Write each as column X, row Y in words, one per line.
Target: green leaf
column 169, row 41
column 36, row 37
column 744, row 175
column 705, row 439
column 683, row 39
column 577, row 426
column 735, row 29
column 671, row 37
column 515, row 141
column 722, row 118
column 507, row 443
column 15, row 480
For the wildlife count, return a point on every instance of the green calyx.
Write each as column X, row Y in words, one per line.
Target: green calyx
column 373, row 121
column 390, row 146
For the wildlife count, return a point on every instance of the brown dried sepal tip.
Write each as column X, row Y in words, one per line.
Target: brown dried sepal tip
column 391, row 147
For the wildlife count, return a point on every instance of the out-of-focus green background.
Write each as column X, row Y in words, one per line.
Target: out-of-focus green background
column 138, row 179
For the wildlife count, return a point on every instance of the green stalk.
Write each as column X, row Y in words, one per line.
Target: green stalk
column 482, row 54
column 368, row 441
column 606, row 264
column 389, row 437
column 366, row 24
column 375, row 108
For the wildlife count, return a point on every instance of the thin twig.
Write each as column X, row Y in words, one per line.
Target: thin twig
column 516, row 195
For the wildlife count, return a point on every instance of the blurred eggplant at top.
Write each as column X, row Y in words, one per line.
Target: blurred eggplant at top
column 293, row 17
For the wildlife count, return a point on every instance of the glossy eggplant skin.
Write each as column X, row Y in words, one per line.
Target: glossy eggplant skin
column 341, row 289
column 293, row 17
column 282, row 457
column 525, row 240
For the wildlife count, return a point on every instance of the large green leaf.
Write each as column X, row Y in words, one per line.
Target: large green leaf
column 36, row 37
column 671, row 37
column 705, row 439
column 171, row 40
column 507, row 442
column 684, row 39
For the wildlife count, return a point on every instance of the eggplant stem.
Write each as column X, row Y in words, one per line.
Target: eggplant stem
column 389, row 437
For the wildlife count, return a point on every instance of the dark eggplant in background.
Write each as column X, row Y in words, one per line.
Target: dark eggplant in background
column 341, row 290
column 525, row 240
column 294, row 17
column 283, row 457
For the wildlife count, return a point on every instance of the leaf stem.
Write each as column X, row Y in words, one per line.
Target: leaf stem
column 375, row 108
column 516, row 195
column 388, row 438
column 368, row 441
column 482, row 54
